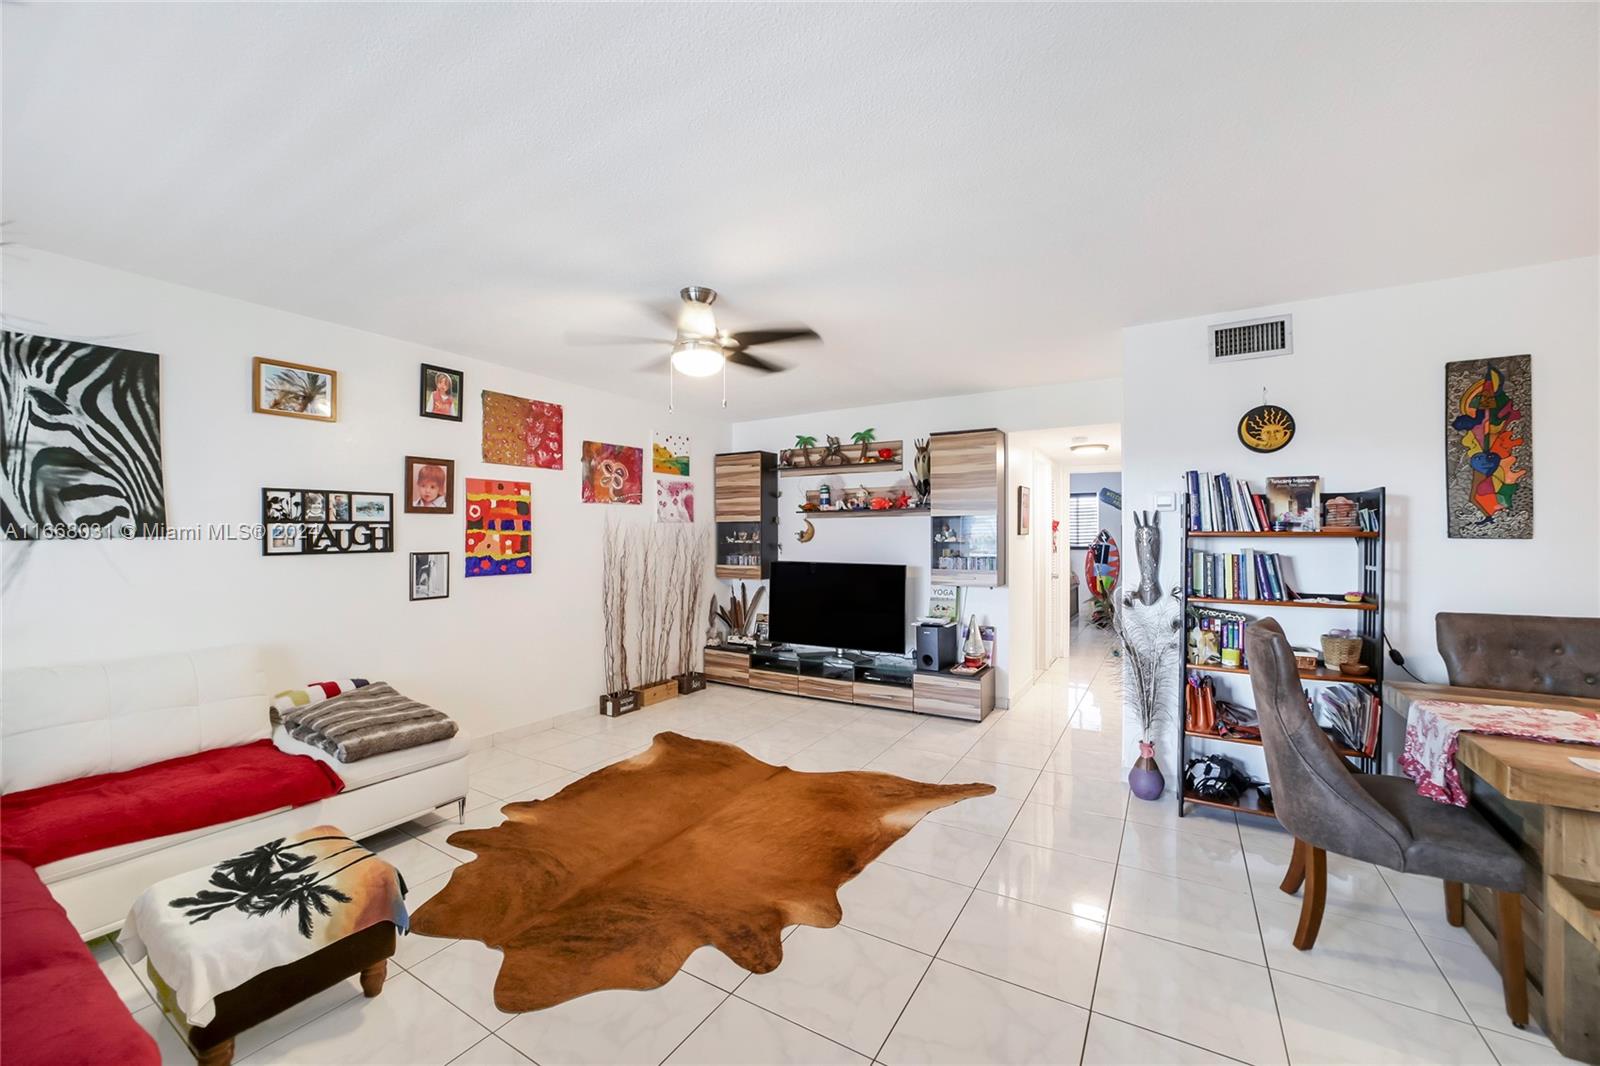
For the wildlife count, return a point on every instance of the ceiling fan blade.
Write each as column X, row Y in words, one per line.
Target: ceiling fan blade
column 613, row 339
column 655, row 366
column 669, row 314
column 754, row 362
column 749, row 338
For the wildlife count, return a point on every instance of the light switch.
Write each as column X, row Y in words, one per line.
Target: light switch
column 1166, row 501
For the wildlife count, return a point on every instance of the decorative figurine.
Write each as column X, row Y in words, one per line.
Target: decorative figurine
column 973, row 650
column 834, row 455
column 1147, row 546
column 921, row 473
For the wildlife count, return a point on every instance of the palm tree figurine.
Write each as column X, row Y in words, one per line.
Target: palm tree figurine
column 803, row 445
column 862, row 439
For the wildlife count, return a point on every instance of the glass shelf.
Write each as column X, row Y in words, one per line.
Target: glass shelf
column 964, row 544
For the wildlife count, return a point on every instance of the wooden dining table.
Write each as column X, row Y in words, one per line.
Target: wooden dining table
column 1550, row 807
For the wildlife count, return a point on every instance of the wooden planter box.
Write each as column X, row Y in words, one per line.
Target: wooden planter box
column 690, row 682
column 615, row 704
column 656, row 691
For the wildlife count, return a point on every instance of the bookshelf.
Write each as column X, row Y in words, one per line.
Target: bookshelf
column 1368, row 615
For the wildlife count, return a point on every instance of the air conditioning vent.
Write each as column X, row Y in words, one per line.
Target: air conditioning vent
column 1256, row 339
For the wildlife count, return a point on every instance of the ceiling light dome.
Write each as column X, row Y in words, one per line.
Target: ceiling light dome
column 697, row 359
column 1090, row 447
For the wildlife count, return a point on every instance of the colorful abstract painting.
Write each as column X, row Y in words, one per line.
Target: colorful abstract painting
column 612, row 473
column 1488, row 445
column 669, row 454
column 519, row 432
column 674, row 500
column 499, row 527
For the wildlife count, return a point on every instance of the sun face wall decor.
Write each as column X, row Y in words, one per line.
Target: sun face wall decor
column 612, row 473
column 1266, row 428
column 499, row 527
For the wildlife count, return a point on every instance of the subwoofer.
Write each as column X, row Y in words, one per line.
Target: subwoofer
column 936, row 646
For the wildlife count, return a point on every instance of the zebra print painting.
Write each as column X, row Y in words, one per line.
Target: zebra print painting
column 82, row 444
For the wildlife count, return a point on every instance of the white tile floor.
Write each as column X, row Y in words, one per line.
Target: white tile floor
column 1058, row 921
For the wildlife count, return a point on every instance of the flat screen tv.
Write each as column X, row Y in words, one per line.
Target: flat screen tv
column 855, row 606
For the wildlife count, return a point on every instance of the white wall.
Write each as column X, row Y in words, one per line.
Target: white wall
column 904, row 539
column 1366, row 387
column 499, row 653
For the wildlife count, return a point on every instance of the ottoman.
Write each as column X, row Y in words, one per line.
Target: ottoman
column 230, row 946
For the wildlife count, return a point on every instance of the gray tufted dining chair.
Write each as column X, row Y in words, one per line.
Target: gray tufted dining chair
column 1370, row 817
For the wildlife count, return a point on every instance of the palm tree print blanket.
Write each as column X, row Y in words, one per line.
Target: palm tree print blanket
column 213, row 929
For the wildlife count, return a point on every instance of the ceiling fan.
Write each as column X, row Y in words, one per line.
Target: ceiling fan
column 700, row 348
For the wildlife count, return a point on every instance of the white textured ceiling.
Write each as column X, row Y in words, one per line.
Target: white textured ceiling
column 957, row 197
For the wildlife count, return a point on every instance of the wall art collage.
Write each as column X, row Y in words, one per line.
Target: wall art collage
column 84, row 461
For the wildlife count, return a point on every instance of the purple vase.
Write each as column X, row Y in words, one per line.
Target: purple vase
column 1145, row 780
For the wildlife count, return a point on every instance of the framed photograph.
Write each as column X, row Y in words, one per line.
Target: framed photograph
column 430, row 575
column 370, row 506
column 430, row 485
column 295, row 390
column 326, row 522
column 1024, row 511
column 441, row 392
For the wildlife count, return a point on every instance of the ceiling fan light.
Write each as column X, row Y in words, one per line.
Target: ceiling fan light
column 1090, row 448
column 697, row 359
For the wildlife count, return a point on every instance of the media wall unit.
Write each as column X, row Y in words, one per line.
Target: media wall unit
column 967, row 538
column 874, row 682
column 746, row 514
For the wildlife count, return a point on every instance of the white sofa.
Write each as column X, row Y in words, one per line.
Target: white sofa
column 63, row 723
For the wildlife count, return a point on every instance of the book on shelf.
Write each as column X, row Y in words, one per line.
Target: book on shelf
column 1241, row 575
column 1223, row 503
column 1293, row 503
column 1212, row 632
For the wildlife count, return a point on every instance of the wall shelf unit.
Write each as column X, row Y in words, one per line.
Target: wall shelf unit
column 852, row 459
column 746, row 514
column 1369, row 613
column 867, row 513
column 1330, row 605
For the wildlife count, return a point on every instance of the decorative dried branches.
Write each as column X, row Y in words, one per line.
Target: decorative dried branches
column 696, row 550
column 651, row 589
column 614, row 604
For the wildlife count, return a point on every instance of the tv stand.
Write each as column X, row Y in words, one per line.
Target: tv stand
column 853, row 678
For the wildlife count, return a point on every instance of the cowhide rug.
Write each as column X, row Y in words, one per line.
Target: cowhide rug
column 616, row 879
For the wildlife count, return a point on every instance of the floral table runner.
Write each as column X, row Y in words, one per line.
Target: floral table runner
column 1433, row 729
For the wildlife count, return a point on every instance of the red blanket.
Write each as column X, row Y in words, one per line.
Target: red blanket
column 43, row 825
column 57, row 1007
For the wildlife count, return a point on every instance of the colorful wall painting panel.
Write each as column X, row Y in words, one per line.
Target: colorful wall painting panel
column 669, row 454
column 519, row 432
column 674, row 500
column 499, row 527
column 612, row 473
column 1488, row 443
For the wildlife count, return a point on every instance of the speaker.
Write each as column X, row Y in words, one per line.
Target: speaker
column 936, row 646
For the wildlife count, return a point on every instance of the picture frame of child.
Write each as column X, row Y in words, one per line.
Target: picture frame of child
column 430, row 486
column 442, row 393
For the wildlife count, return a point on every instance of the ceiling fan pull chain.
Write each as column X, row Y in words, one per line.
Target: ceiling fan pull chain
column 724, row 383
column 671, row 381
